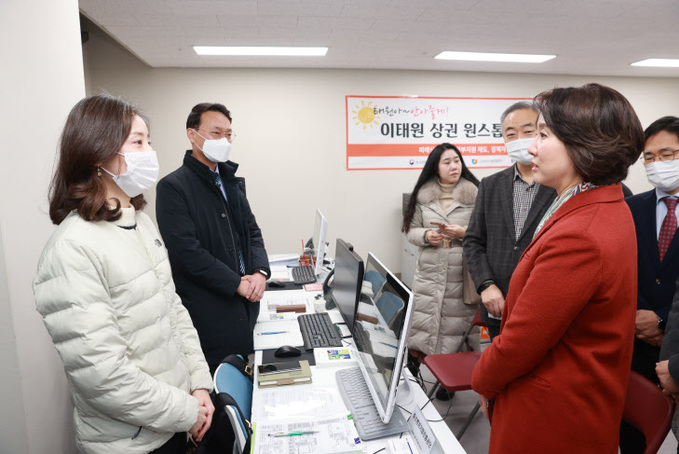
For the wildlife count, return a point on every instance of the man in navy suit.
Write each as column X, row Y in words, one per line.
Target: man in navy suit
column 508, row 208
column 655, row 220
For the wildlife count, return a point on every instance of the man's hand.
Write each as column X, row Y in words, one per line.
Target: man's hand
column 244, row 287
column 433, row 237
column 669, row 386
column 257, row 286
column 493, row 300
column 646, row 327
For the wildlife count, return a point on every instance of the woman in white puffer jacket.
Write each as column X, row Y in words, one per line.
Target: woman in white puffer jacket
column 139, row 380
column 436, row 219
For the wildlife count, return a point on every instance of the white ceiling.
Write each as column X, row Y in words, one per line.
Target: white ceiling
column 589, row 37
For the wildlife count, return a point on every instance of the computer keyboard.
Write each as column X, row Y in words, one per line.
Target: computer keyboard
column 303, row 275
column 358, row 400
column 318, row 331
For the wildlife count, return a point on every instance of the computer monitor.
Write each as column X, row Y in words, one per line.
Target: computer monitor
column 319, row 241
column 346, row 287
column 381, row 332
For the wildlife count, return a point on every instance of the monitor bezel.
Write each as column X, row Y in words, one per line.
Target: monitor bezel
column 386, row 411
column 320, row 248
column 359, row 280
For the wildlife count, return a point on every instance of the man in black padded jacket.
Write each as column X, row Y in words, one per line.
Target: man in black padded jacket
column 219, row 263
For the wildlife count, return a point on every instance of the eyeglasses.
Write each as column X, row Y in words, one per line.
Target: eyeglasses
column 665, row 155
column 228, row 135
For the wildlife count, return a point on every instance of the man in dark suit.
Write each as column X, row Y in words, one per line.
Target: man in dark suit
column 219, row 263
column 508, row 208
column 655, row 220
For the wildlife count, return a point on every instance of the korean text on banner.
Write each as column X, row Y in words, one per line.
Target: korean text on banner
column 399, row 132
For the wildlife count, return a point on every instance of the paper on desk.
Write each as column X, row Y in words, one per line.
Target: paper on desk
column 284, row 259
column 324, row 436
column 289, row 334
column 280, row 273
column 294, row 402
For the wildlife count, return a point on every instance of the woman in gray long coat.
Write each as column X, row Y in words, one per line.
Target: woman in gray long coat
column 436, row 220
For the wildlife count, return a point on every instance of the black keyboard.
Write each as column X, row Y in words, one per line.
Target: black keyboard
column 303, row 275
column 318, row 331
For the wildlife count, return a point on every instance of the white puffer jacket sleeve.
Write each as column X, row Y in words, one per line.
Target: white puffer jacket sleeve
column 72, row 297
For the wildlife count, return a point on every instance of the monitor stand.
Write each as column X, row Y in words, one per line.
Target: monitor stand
column 404, row 395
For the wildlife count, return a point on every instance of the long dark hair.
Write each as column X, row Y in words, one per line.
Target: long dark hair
column 430, row 171
column 95, row 130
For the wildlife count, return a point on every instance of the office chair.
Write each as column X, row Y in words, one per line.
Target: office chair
column 390, row 306
column 231, row 381
column 649, row 410
column 453, row 371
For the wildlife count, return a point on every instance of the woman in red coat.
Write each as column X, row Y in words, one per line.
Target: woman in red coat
column 556, row 377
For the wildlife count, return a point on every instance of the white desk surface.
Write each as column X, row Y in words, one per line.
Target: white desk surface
column 324, row 378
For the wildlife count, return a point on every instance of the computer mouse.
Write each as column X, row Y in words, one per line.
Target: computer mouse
column 276, row 284
column 287, row 351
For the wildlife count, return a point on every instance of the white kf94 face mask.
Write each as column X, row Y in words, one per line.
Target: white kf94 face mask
column 142, row 172
column 216, row 150
column 663, row 175
column 517, row 150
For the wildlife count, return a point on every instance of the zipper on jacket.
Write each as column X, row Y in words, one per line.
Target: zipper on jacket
column 136, row 434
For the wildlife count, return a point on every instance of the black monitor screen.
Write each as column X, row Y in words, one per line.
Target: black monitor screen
column 346, row 287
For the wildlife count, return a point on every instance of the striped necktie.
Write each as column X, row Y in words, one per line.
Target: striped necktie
column 218, row 182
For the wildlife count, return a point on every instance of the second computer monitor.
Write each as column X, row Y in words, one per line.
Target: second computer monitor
column 346, row 287
column 381, row 333
column 320, row 241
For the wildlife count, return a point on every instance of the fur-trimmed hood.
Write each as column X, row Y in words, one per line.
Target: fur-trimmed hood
column 464, row 192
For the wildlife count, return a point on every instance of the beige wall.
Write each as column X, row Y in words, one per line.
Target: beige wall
column 291, row 134
column 41, row 78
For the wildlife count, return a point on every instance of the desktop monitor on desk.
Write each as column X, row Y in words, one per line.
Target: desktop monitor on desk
column 348, row 276
column 381, row 332
column 319, row 242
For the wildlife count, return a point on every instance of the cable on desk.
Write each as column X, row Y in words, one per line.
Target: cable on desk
column 409, row 412
column 427, row 402
column 444, row 416
column 379, row 450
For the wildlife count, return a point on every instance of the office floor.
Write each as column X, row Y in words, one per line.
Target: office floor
column 475, row 440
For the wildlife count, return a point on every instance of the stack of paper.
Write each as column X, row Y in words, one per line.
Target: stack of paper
column 329, row 435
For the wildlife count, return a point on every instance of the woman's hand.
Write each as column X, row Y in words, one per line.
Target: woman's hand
column 433, row 237
column 485, row 404
column 452, row 231
column 195, row 431
column 205, row 412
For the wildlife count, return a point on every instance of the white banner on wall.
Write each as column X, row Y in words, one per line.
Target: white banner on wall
column 399, row 132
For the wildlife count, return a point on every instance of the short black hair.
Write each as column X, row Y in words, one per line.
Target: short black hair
column 517, row 106
column 668, row 123
column 193, row 121
column 602, row 133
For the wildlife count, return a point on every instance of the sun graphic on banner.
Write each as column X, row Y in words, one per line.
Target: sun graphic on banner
column 365, row 114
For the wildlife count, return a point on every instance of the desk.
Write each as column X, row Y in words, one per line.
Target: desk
column 324, row 382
